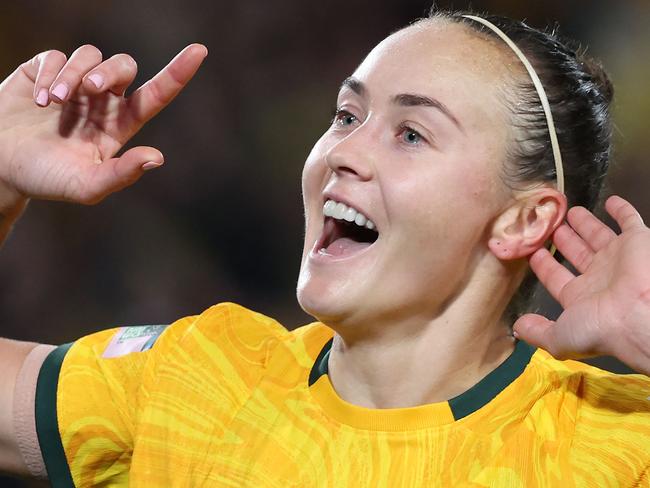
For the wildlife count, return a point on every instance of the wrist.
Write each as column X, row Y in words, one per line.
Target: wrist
column 12, row 202
column 12, row 205
column 635, row 349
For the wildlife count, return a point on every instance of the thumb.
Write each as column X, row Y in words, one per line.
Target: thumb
column 536, row 330
column 116, row 173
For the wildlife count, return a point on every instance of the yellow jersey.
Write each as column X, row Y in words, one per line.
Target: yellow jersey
column 230, row 398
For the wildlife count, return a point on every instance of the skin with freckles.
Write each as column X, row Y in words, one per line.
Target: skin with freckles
column 429, row 293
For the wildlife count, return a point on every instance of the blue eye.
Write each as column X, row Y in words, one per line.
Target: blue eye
column 343, row 118
column 410, row 136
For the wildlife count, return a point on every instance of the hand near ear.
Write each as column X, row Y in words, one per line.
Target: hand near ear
column 606, row 307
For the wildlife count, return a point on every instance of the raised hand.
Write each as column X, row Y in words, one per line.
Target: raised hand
column 606, row 307
column 63, row 120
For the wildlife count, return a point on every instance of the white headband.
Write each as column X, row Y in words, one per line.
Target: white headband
column 557, row 155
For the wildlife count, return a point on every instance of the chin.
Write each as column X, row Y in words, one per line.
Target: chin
column 316, row 300
column 327, row 302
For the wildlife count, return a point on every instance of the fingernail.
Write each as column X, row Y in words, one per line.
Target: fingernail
column 60, row 91
column 96, row 79
column 150, row 165
column 514, row 333
column 42, row 98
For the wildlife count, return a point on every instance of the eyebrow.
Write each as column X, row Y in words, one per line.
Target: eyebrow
column 404, row 99
column 355, row 85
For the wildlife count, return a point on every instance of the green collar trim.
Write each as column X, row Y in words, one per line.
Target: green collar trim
column 494, row 383
column 320, row 365
column 47, row 426
column 473, row 399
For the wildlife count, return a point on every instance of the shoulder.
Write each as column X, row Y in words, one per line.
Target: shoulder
column 613, row 405
column 226, row 336
column 598, row 389
column 225, row 330
column 242, row 335
column 606, row 407
column 239, row 327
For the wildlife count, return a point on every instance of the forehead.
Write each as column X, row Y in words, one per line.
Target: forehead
column 434, row 48
column 445, row 60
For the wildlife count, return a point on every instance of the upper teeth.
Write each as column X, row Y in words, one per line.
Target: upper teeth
column 341, row 211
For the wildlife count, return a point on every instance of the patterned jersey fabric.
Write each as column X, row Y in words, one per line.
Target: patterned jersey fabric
column 230, row 398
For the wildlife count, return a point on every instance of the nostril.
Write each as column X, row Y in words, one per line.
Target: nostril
column 356, row 170
column 347, row 169
column 346, row 159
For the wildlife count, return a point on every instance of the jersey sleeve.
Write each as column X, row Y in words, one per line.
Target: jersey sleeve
column 89, row 394
column 613, row 426
column 103, row 408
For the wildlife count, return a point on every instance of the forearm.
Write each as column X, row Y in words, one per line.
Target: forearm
column 12, row 357
column 12, row 353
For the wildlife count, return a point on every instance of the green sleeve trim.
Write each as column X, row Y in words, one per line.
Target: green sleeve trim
column 47, row 426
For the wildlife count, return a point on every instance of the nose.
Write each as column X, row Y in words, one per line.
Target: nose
column 352, row 155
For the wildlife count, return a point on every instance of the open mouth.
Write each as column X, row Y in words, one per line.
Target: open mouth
column 346, row 230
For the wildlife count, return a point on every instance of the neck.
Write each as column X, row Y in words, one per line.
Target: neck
column 415, row 361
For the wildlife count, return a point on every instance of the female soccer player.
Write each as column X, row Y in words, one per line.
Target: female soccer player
column 446, row 170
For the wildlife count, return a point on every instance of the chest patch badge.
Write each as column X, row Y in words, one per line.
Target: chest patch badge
column 133, row 339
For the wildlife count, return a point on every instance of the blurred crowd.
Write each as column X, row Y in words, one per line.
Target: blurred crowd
column 222, row 220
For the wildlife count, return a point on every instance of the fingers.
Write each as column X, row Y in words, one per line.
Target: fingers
column 624, row 213
column 57, row 78
column 537, row 331
column 115, row 74
column 573, row 247
column 48, row 65
column 551, row 274
column 594, row 232
column 69, row 78
column 156, row 93
column 591, row 234
column 114, row 174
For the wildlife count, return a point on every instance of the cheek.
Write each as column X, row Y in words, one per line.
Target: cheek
column 315, row 169
column 314, row 176
column 450, row 208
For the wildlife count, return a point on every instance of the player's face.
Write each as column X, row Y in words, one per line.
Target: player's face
column 416, row 149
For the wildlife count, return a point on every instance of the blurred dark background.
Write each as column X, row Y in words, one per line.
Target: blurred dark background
column 222, row 220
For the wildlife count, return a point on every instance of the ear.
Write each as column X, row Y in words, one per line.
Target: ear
column 527, row 223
